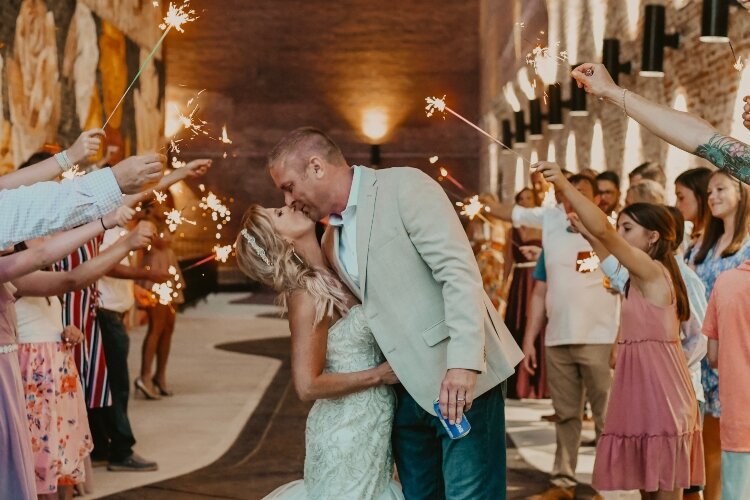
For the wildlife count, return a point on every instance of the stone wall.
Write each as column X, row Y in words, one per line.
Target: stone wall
column 699, row 75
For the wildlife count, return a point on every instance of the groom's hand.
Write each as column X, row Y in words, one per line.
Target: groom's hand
column 457, row 393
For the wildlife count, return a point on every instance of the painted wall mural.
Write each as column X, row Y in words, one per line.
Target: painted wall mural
column 64, row 65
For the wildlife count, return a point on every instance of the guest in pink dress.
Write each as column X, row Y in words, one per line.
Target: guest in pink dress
column 652, row 436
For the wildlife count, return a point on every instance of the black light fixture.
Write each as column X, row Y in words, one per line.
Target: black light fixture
column 535, row 120
column 375, row 155
column 577, row 103
column 520, row 123
column 507, row 134
column 715, row 21
column 611, row 59
column 654, row 41
column 554, row 107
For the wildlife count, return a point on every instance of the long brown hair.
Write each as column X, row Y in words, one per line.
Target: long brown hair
column 270, row 259
column 696, row 180
column 657, row 218
column 715, row 227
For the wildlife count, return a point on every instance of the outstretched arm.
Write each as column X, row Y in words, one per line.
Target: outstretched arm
column 683, row 130
column 641, row 266
column 22, row 263
column 309, row 343
column 47, row 283
column 86, row 145
column 195, row 168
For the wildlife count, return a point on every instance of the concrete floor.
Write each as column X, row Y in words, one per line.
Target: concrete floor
column 217, row 391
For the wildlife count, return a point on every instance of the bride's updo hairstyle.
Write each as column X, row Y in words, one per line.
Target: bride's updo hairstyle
column 264, row 256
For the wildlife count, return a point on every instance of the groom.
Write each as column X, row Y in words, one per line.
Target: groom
column 394, row 238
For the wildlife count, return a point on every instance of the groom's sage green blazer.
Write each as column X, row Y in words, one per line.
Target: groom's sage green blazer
column 420, row 285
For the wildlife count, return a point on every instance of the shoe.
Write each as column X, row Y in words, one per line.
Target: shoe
column 162, row 390
column 140, row 386
column 589, row 443
column 133, row 463
column 551, row 418
column 558, row 493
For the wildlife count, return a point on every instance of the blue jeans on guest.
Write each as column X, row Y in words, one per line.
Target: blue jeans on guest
column 432, row 466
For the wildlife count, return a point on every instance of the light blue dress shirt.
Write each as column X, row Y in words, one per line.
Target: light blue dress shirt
column 45, row 207
column 347, row 224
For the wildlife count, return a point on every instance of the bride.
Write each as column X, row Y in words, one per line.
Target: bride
column 335, row 362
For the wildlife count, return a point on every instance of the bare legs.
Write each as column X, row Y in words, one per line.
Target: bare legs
column 158, row 341
column 662, row 495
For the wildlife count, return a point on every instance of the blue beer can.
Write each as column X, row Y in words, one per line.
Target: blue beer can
column 455, row 431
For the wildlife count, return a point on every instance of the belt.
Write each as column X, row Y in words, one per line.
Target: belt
column 7, row 349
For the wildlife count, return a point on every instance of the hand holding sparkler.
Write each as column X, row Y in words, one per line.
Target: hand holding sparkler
column 124, row 214
column 86, row 146
column 136, row 173
column 141, row 236
column 195, row 168
column 596, row 80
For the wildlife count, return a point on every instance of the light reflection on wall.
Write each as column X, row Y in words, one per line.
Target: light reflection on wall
column 634, row 11
column 172, row 119
column 598, row 160
column 374, row 124
column 520, row 181
column 571, row 158
column 573, row 9
column 534, row 158
column 633, row 155
column 551, row 151
column 677, row 160
column 738, row 130
column 598, row 10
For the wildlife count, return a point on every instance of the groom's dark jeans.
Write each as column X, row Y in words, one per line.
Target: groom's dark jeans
column 433, row 466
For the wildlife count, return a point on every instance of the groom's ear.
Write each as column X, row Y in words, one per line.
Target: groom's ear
column 316, row 167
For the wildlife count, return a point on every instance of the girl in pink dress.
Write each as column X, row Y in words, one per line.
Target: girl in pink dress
column 652, row 435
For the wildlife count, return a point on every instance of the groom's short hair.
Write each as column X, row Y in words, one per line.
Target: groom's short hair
column 306, row 142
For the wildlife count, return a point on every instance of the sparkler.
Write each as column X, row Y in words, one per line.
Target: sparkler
column 445, row 175
column 175, row 218
column 224, row 138
column 160, row 197
column 434, row 159
column 73, row 173
column 473, row 208
column 438, row 104
column 177, row 163
column 588, row 264
column 175, row 18
column 738, row 65
column 213, row 203
column 221, row 253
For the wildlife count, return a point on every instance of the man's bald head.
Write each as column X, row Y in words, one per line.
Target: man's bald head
column 297, row 147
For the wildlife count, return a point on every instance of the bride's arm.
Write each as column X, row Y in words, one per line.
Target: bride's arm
column 309, row 342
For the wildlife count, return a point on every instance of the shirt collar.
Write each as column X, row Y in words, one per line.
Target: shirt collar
column 351, row 203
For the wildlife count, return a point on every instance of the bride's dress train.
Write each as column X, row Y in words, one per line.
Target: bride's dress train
column 348, row 439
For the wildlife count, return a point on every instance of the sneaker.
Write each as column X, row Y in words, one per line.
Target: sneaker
column 133, row 463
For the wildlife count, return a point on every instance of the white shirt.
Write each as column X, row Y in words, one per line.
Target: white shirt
column 115, row 294
column 347, row 224
column 38, row 320
column 28, row 212
column 579, row 309
column 694, row 343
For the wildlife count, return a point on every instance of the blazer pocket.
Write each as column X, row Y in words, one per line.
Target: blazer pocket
column 435, row 334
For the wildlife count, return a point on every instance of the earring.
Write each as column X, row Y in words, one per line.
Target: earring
column 296, row 256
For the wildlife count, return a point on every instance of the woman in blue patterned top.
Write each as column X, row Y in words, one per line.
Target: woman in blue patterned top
column 725, row 246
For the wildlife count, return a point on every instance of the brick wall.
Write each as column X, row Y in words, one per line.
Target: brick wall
column 704, row 73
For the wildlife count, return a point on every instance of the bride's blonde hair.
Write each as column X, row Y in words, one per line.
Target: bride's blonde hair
column 264, row 256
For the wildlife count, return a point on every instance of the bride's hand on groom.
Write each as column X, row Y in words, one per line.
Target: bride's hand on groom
column 457, row 393
column 386, row 374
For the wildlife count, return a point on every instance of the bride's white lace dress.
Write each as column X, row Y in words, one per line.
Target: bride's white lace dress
column 348, row 439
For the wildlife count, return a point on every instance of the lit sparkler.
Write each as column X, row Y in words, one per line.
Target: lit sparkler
column 163, row 292
column 175, row 18
column 438, row 104
column 473, row 208
column 173, row 148
column 224, row 138
column 213, row 203
column 434, row 159
column 222, row 252
column 445, row 175
column 160, row 197
column 588, row 264
column 73, row 173
column 175, row 218
column 177, row 163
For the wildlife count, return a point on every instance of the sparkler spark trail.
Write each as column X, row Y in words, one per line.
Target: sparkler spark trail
column 445, row 175
column 224, row 138
column 473, row 208
column 175, row 218
column 435, row 104
column 434, row 159
column 176, row 17
column 72, row 173
column 160, row 197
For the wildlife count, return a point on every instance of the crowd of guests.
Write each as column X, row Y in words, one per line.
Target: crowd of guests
column 65, row 306
column 629, row 305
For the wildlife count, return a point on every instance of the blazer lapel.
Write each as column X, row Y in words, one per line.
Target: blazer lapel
column 330, row 244
column 368, row 190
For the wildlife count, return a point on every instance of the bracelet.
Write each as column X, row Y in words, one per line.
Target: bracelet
column 101, row 219
column 63, row 161
column 624, row 108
